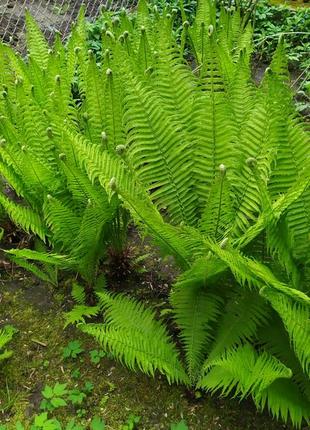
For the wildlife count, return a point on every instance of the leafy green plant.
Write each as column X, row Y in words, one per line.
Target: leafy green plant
column 73, row 349
column 131, row 423
column 273, row 20
column 179, row 426
column 96, row 356
column 97, row 424
column 54, row 397
column 270, row 21
column 76, row 397
column 43, row 422
column 6, row 335
column 88, row 387
column 59, row 396
column 76, row 373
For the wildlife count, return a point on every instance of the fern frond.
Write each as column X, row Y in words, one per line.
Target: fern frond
column 28, row 254
column 275, row 339
column 133, row 335
column 244, row 313
column 87, row 247
column 195, row 308
column 253, row 273
column 94, row 101
column 217, row 217
column 296, row 318
column 78, row 293
column 36, row 42
column 25, row 217
column 279, row 207
column 242, row 372
column 285, row 400
column 213, row 140
column 78, row 314
column 62, row 220
column 39, row 272
column 156, row 153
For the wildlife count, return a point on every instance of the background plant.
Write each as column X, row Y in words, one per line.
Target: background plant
column 270, row 22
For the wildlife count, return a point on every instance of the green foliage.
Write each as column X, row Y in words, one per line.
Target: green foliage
column 97, row 424
column 213, row 168
column 56, row 200
column 43, row 422
column 133, row 335
column 132, row 423
column 273, row 20
column 54, row 397
column 73, row 349
column 96, row 356
column 6, row 335
column 179, row 426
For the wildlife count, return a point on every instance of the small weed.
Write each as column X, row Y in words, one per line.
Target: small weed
column 54, row 397
column 96, row 356
column 97, row 424
column 76, row 373
column 88, row 387
column 179, row 426
column 131, row 423
column 72, row 350
column 76, row 397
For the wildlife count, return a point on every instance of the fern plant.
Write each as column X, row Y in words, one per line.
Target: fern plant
column 74, row 219
column 215, row 169
column 210, row 165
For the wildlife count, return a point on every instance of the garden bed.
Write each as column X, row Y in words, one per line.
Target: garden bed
column 36, row 310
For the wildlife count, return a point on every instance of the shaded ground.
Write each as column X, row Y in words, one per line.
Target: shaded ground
column 37, row 311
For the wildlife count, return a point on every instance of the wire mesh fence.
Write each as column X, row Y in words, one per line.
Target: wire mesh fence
column 51, row 15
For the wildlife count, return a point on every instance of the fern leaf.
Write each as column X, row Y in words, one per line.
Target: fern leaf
column 36, row 42
column 296, row 318
column 244, row 313
column 244, row 372
column 194, row 309
column 63, row 222
column 87, row 247
column 33, row 268
column 78, row 293
column 133, row 335
column 217, row 217
column 42, row 257
column 284, row 400
column 78, row 314
column 25, row 217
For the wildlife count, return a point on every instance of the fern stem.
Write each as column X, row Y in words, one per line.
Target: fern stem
column 220, row 207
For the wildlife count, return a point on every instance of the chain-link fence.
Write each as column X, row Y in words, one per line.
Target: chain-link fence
column 51, row 15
